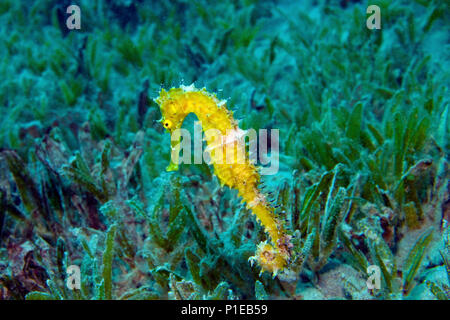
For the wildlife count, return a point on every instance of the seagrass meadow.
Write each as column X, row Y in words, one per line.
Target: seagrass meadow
column 363, row 177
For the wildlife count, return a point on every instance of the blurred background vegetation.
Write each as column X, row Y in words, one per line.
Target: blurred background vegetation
column 363, row 120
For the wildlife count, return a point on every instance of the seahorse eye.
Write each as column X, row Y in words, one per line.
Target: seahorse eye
column 167, row 124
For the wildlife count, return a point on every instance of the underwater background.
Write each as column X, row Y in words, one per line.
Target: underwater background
column 363, row 176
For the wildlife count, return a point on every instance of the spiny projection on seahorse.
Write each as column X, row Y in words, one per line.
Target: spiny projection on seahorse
column 175, row 105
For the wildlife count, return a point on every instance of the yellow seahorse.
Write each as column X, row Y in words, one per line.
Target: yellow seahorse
column 175, row 105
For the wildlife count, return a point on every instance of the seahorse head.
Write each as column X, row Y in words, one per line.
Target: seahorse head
column 172, row 109
column 172, row 104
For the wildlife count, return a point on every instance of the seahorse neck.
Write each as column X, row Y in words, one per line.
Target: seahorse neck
column 210, row 111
